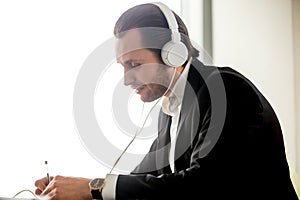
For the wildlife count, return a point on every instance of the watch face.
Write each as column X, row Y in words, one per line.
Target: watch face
column 96, row 183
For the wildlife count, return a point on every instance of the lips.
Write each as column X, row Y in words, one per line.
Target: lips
column 139, row 89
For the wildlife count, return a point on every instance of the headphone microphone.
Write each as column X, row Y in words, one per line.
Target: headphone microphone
column 174, row 53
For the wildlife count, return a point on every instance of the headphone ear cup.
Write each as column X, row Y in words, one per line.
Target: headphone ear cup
column 174, row 54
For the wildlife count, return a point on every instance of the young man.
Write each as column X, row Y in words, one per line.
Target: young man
column 218, row 137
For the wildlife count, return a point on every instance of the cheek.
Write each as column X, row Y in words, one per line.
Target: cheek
column 146, row 75
column 154, row 75
column 155, row 90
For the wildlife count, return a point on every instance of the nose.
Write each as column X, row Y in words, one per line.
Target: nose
column 129, row 77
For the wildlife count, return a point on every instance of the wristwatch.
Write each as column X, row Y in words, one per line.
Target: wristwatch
column 96, row 186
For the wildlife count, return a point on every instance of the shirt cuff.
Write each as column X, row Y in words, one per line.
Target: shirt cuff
column 109, row 189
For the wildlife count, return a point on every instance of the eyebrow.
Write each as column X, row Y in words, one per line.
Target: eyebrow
column 128, row 62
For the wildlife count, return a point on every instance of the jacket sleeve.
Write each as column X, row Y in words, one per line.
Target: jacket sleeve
column 247, row 159
column 163, row 186
column 184, row 182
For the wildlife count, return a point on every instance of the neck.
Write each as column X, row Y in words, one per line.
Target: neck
column 178, row 72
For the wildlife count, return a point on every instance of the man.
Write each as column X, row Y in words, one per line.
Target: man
column 218, row 137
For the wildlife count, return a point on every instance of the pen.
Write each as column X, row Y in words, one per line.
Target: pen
column 48, row 177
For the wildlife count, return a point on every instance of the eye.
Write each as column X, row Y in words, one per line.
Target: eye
column 136, row 65
column 131, row 66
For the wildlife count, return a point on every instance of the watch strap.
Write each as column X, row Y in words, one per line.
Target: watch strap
column 96, row 194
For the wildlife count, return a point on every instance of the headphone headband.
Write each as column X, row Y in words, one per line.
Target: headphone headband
column 172, row 23
column 174, row 53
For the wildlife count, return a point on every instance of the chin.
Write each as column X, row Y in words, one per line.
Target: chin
column 149, row 98
column 149, row 95
column 146, row 99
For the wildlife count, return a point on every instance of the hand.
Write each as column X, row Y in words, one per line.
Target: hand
column 62, row 188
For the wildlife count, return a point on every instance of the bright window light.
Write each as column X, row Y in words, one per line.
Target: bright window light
column 43, row 46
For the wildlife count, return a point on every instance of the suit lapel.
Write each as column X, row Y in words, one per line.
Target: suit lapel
column 156, row 160
column 163, row 145
column 189, row 117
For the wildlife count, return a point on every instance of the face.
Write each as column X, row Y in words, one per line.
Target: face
column 143, row 70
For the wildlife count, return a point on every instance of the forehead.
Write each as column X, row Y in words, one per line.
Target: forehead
column 128, row 43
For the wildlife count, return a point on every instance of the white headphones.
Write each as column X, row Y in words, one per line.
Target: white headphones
column 174, row 53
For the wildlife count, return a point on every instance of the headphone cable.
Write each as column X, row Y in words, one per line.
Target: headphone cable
column 138, row 131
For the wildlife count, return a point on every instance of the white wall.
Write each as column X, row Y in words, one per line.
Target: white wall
column 255, row 37
column 197, row 17
column 296, row 31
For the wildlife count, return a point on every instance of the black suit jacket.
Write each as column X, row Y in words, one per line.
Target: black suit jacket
column 229, row 145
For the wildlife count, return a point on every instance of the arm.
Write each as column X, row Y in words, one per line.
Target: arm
column 164, row 185
column 214, row 165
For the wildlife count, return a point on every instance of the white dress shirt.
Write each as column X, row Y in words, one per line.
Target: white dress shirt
column 171, row 106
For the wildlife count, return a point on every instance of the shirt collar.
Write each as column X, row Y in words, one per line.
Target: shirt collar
column 171, row 104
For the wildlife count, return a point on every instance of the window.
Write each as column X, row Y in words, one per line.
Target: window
column 43, row 46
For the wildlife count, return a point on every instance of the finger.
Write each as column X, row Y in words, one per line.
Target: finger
column 49, row 196
column 41, row 183
column 49, row 192
column 38, row 191
column 48, row 189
